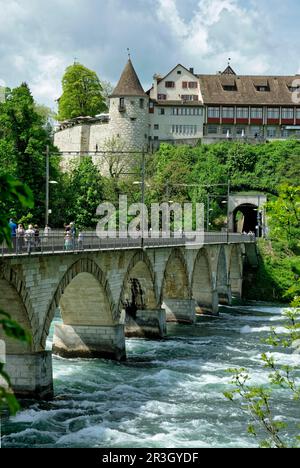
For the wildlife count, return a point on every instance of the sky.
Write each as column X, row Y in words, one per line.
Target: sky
column 38, row 40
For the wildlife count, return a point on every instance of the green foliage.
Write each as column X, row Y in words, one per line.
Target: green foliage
column 24, row 136
column 259, row 401
column 84, row 192
column 13, row 330
column 11, row 190
column 82, row 93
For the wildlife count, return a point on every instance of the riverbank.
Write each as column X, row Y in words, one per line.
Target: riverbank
column 277, row 277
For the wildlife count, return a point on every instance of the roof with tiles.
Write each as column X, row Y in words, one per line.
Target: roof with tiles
column 231, row 89
column 129, row 83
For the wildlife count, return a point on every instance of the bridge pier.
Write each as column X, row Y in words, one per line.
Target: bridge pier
column 31, row 374
column 79, row 341
column 225, row 295
column 146, row 324
column 208, row 304
column 180, row 310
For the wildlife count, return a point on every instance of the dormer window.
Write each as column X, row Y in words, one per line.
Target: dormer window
column 294, row 89
column 229, row 87
column 262, row 88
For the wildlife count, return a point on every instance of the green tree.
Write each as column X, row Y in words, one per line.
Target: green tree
column 23, row 139
column 82, row 93
column 85, row 193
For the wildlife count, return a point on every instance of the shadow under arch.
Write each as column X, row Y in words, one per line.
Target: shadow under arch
column 203, row 285
column 15, row 300
column 223, row 286
column 236, row 271
column 139, row 305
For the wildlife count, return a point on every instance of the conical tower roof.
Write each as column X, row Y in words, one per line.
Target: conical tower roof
column 129, row 84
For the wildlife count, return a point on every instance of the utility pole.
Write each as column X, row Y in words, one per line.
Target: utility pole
column 228, row 209
column 47, row 187
column 208, row 211
column 143, row 197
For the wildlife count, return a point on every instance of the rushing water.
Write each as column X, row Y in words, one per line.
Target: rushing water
column 168, row 394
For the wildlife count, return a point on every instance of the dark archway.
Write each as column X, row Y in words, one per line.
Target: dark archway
column 246, row 219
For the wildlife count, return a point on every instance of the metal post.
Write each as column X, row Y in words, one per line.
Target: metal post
column 228, row 210
column 143, row 197
column 47, row 187
column 207, row 215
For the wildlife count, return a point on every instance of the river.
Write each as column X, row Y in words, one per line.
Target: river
column 168, row 394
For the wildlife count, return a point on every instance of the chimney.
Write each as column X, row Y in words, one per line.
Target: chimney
column 192, row 70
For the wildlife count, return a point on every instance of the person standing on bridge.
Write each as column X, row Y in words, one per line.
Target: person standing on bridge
column 13, row 233
column 29, row 237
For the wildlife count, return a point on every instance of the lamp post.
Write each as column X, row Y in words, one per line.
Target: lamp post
column 48, row 182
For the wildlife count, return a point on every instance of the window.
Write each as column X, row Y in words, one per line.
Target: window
column 184, row 84
column 213, row 112
column 162, row 97
column 170, row 84
column 255, row 131
column 298, row 114
column 133, row 119
column 212, row 129
column 155, row 138
column 189, row 97
column 229, row 87
column 256, row 113
column 178, row 72
column 287, row 113
column 262, row 89
column 193, row 85
column 227, row 130
column 228, row 112
column 142, row 103
column 241, row 131
column 156, row 127
column 187, row 111
column 271, row 132
column 122, row 104
column 294, row 89
column 161, row 111
column 273, row 113
column 186, row 130
column 242, row 113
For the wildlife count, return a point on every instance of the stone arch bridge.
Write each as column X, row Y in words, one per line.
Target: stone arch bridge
column 105, row 295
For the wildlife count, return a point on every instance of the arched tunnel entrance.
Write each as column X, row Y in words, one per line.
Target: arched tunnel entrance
column 247, row 219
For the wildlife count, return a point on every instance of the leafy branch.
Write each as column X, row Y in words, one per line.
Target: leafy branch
column 257, row 401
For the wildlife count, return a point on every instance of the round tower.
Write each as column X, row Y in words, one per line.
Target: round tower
column 129, row 111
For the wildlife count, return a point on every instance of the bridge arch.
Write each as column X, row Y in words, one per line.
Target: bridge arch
column 203, row 289
column 176, row 278
column 15, row 300
column 84, row 296
column 139, row 286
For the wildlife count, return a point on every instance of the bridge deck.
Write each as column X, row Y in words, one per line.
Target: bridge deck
column 56, row 243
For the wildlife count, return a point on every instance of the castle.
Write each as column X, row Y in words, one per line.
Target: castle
column 185, row 108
